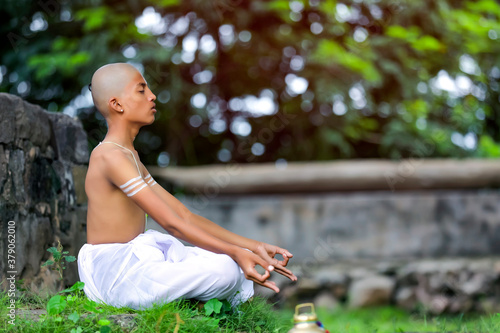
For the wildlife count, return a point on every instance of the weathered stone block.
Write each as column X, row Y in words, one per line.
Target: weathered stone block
column 405, row 298
column 16, row 171
column 32, row 123
column 79, row 173
column 43, row 181
column 37, row 189
column 10, row 106
column 327, row 301
column 370, row 291
column 70, row 137
column 3, row 168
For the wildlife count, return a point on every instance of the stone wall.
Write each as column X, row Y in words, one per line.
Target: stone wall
column 414, row 173
column 451, row 285
column 42, row 156
column 352, row 225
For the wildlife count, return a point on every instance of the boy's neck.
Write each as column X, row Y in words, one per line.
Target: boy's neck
column 121, row 135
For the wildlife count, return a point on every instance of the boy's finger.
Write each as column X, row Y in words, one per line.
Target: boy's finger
column 281, row 269
column 286, row 253
column 285, row 272
column 276, row 261
column 265, row 264
column 283, row 262
column 268, row 284
column 255, row 275
column 286, row 256
column 272, row 285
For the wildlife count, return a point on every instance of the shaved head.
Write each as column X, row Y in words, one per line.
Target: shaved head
column 109, row 82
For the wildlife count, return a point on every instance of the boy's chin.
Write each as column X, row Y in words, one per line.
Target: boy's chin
column 145, row 122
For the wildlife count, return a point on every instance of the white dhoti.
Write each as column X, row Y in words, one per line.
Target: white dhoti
column 157, row 268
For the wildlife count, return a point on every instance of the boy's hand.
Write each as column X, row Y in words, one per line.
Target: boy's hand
column 247, row 260
column 268, row 253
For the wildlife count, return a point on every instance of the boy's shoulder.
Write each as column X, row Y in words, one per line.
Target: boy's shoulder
column 109, row 155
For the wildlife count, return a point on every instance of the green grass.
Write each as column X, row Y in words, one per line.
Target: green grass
column 391, row 320
column 81, row 315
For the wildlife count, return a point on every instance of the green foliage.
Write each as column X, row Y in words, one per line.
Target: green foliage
column 168, row 3
column 371, row 69
column 67, row 311
column 58, row 302
column 488, row 148
column 71, row 311
column 413, row 36
column 330, row 53
column 83, row 315
column 213, row 306
column 60, row 259
column 389, row 319
column 56, row 305
column 218, row 309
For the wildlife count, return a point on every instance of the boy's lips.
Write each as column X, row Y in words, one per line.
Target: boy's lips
column 153, row 107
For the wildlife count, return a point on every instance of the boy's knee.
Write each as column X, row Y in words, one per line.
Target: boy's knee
column 226, row 271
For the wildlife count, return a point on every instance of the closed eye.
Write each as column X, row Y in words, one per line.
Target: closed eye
column 142, row 86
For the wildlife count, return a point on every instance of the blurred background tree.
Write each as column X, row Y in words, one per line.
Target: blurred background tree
column 259, row 81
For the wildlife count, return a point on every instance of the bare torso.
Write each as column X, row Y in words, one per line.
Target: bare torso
column 112, row 217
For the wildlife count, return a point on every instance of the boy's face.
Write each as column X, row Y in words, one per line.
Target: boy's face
column 138, row 100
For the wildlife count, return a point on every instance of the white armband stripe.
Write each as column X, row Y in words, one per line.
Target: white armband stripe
column 150, row 180
column 140, row 188
column 130, row 181
column 134, row 185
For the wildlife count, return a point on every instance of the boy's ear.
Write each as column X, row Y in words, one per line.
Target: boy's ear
column 115, row 105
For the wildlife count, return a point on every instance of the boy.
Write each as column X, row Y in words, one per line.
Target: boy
column 121, row 264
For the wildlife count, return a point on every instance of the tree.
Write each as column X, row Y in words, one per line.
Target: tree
column 254, row 81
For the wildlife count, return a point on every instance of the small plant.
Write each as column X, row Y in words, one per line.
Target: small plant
column 65, row 305
column 60, row 258
column 20, row 285
column 57, row 303
column 217, row 309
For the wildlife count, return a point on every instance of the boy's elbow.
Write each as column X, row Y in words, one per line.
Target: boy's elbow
column 186, row 214
column 171, row 228
column 169, row 221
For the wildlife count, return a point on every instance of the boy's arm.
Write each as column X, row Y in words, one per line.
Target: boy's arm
column 203, row 223
column 264, row 250
column 121, row 172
